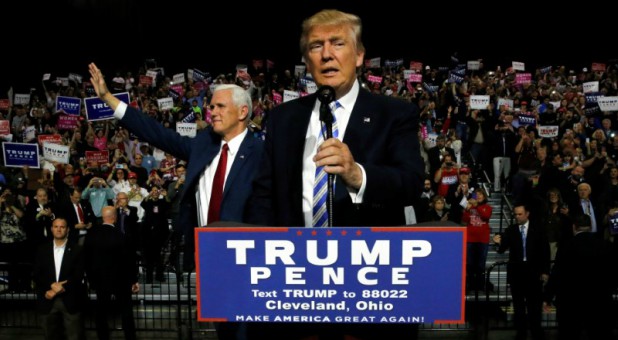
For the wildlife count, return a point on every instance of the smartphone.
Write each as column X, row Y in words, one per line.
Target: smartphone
column 119, row 166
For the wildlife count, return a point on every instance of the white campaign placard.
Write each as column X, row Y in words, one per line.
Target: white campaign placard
column 75, row 77
column 479, row 102
column 290, row 95
column 165, row 103
column 64, row 81
column 519, row 66
column 22, row 98
column 311, row 87
column 506, row 101
column 430, row 141
column 608, row 103
column 548, row 131
column 29, row 133
column 299, row 70
column 591, row 86
column 474, row 65
column 179, row 78
column 56, row 152
column 46, row 76
column 186, row 129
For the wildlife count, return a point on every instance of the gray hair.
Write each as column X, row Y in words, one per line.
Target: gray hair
column 240, row 96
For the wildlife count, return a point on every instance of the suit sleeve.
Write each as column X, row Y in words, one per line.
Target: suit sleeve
column 151, row 131
column 259, row 209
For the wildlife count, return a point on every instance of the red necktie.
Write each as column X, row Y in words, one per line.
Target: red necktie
column 216, row 195
column 80, row 212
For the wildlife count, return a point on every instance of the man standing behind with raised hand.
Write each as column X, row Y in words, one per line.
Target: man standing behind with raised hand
column 374, row 155
column 222, row 159
column 58, row 273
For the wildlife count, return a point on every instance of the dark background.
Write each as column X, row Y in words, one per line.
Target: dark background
column 63, row 36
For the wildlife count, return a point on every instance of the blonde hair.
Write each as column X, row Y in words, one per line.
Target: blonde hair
column 331, row 17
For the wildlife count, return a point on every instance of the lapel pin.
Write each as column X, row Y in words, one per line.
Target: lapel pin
column 366, row 120
column 242, row 156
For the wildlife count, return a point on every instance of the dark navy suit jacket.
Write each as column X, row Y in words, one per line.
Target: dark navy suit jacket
column 199, row 153
column 71, row 270
column 382, row 136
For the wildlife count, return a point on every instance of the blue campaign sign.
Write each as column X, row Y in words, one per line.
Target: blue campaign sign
column 334, row 275
column 21, row 154
column 68, row 105
column 96, row 109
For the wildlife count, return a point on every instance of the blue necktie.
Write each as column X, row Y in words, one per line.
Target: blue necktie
column 522, row 228
column 320, row 186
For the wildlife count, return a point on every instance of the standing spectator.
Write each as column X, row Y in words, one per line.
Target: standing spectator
column 437, row 210
column 58, row 274
column 173, row 197
column 38, row 218
column 476, row 216
column 13, row 243
column 503, row 150
column 98, row 193
column 155, row 230
column 112, row 270
column 436, row 154
column 527, row 270
column 583, row 280
column 556, row 220
column 136, row 195
column 79, row 216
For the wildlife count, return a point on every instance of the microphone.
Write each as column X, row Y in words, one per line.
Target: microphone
column 326, row 95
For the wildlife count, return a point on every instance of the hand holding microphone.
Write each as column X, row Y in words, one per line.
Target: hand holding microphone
column 333, row 154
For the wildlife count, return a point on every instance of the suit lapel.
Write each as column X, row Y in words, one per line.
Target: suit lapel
column 363, row 120
column 65, row 259
column 242, row 157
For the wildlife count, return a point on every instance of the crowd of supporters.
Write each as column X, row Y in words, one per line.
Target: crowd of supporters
column 542, row 138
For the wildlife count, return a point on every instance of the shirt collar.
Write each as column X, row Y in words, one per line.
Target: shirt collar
column 349, row 99
column 234, row 143
column 62, row 246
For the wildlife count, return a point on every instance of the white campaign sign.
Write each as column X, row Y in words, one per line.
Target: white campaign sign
column 186, row 129
column 479, row 102
column 290, row 95
column 56, row 152
column 166, row 103
column 548, row 131
column 608, row 103
column 591, row 86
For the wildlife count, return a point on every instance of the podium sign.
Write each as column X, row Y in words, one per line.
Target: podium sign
column 333, row 275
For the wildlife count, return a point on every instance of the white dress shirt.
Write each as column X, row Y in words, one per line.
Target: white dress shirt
column 342, row 115
column 58, row 255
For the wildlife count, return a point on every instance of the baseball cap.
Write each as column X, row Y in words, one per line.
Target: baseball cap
column 132, row 175
column 464, row 171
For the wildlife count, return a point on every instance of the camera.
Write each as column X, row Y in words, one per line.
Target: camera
column 119, row 166
column 449, row 164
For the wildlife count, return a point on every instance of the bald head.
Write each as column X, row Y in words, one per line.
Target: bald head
column 108, row 214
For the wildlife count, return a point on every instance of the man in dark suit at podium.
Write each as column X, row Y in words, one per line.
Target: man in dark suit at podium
column 374, row 155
